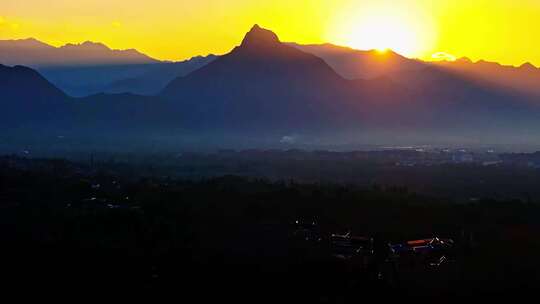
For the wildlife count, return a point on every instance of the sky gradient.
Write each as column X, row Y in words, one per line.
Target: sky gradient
column 498, row 30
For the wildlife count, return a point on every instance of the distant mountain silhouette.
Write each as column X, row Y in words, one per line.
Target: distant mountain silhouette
column 157, row 76
column 147, row 79
column 25, row 96
column 266, row 84
column 27, row 85
column 482, row 87
column 357, row 64
column 36, row 54
column 525, row 78
column 34, row 110
column 263, row 83
column 90, row 68
column 266, row 93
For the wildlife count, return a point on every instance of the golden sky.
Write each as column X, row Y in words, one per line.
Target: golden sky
column 496, row 30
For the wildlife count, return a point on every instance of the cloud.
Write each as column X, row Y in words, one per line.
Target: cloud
column 442, row 56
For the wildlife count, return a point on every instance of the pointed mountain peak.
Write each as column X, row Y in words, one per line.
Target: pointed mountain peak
column 528, row 66
column 258, row 36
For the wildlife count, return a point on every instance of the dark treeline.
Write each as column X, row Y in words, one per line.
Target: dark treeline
column 231, row 237
column 506, row 177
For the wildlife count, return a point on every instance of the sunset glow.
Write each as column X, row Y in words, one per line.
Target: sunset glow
column 497, row 30
column 382, row 33
column 382, row 27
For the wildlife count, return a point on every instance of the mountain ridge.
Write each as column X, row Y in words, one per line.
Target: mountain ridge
column 425, row 98
column 357, row 64
column 34, row 53
column 347, row 62
column 82, row 69
column 261, row 79
column 265, row 91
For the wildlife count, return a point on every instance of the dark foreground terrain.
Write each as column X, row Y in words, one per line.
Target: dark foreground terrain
column 67, row 228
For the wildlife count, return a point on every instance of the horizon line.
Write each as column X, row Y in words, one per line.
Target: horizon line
column 82, row 42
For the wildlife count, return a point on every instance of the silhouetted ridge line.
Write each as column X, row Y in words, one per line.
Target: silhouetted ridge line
column 259, row 37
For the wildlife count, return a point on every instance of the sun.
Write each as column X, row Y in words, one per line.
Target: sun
column 383, row 28
column 385, row 33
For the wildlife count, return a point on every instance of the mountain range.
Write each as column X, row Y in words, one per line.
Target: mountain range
column 266, row 93
column 26, row 96
column 144, row 79
column 525, row 78
column 90, row 68
column 357, row 64
column 34, row 53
